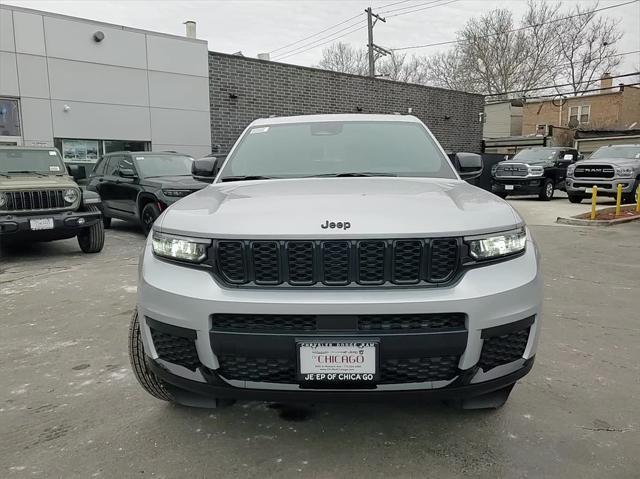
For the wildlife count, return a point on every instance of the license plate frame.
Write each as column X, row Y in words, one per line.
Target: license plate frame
column 334, row 373
column 41, row 224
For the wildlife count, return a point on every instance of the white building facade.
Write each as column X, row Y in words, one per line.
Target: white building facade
column 90, row 88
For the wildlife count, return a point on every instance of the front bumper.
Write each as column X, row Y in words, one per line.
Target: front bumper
column 517, row 186
column 65, row 225
column 178, row 298
column 606, row 187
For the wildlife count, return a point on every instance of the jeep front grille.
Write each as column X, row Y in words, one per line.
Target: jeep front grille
column 594, row 171
column 370, row 262
column 35, row 200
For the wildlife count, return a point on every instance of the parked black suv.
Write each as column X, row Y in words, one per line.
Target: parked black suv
column 533, row 171
column 138, row 185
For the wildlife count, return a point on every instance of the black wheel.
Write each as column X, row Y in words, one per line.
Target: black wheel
column 576, row 198
column 147, row 379
column 546, row 192
column 149, row 215
column 106, row 221
column 633, row 196
column 91, row 239
column 501, row 195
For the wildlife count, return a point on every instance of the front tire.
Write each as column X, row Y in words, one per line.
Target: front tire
column 501, row 195
column 633, row 196
column 546, row 193
column 148, row 216
column 576, row 198
column 91, row 239
column 147, row 379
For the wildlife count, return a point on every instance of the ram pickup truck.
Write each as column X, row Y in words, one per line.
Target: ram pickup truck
column 337, row 257
column 533, row 171
column 606, row 168
column 39, row 201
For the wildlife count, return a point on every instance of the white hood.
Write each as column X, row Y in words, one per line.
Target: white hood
column 374, row 207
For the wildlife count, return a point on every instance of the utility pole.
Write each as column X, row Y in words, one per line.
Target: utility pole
column 372, row 47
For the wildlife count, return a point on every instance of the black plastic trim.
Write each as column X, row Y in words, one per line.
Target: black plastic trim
column 218, row 389
column 171, row 329
column 507, row 328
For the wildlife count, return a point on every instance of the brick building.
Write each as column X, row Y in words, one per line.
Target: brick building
column 243, row 89
column 610, row 109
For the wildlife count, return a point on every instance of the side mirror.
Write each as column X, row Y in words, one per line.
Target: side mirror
column 128, row 173
column 78, row 172
column 469, row 165
column 206, row 169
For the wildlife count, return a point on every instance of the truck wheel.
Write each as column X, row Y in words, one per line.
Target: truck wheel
column 149, row 215
column 546, row 193
column 91, row 239
column 501, row 195
column 576, row 198
column 633, row 196
column 147, row 379
column 106, row 221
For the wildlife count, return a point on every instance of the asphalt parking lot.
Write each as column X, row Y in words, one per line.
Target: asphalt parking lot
column 71, row 408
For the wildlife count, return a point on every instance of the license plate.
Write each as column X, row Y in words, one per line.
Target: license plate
column 338, row 361
column 508, row 187
column 588, row 190
column 41, row 224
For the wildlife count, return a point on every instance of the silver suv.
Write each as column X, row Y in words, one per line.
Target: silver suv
column 337, row 257
column 606, row 168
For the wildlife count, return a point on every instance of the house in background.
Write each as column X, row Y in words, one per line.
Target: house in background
column 613, row 111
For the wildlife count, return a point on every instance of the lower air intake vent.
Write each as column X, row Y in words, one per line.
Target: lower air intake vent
column 175, row 349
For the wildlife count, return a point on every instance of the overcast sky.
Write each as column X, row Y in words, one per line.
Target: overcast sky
column 253, row 26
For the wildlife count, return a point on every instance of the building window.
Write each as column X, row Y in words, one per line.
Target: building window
column 541, row 130
column 9, row 117
column 88, row 151
column 579, row 114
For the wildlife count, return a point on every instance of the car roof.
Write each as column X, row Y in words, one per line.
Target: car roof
column 140, row 153
column 333, row 117
column 13, row 147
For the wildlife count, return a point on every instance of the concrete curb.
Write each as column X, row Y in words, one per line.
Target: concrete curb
column 583, row 219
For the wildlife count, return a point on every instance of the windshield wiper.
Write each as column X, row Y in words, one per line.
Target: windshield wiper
column 27, row 172
column 246, row 178
column 351, row 175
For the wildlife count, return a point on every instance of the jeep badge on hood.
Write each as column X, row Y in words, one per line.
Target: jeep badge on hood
column 342, row 225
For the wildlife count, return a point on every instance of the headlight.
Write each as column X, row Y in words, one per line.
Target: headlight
column 4, row 199
column 570, row 169
column 624, row 172
column 177, row 193
column 191, row 250
column 536, row 171
column 70, row 195
column 498, row 245
column 493, row 169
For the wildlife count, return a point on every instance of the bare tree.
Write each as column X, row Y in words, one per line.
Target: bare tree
column 401, row 67
column 342, row 57
column 450, row 70
column 587, row 48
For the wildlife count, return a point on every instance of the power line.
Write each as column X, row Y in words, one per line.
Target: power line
column 316, row 34
column 524, row 90
column 290, row 54
column 514, row 29
column 408, row 7
column 394, row 3
column 583, row 91
column 424, row 8
column 311, row 44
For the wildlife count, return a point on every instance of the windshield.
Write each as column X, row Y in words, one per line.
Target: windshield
column 36, row 161
column 334, row 148
column 536, row 155
column 627, row 152
column 163, row 165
